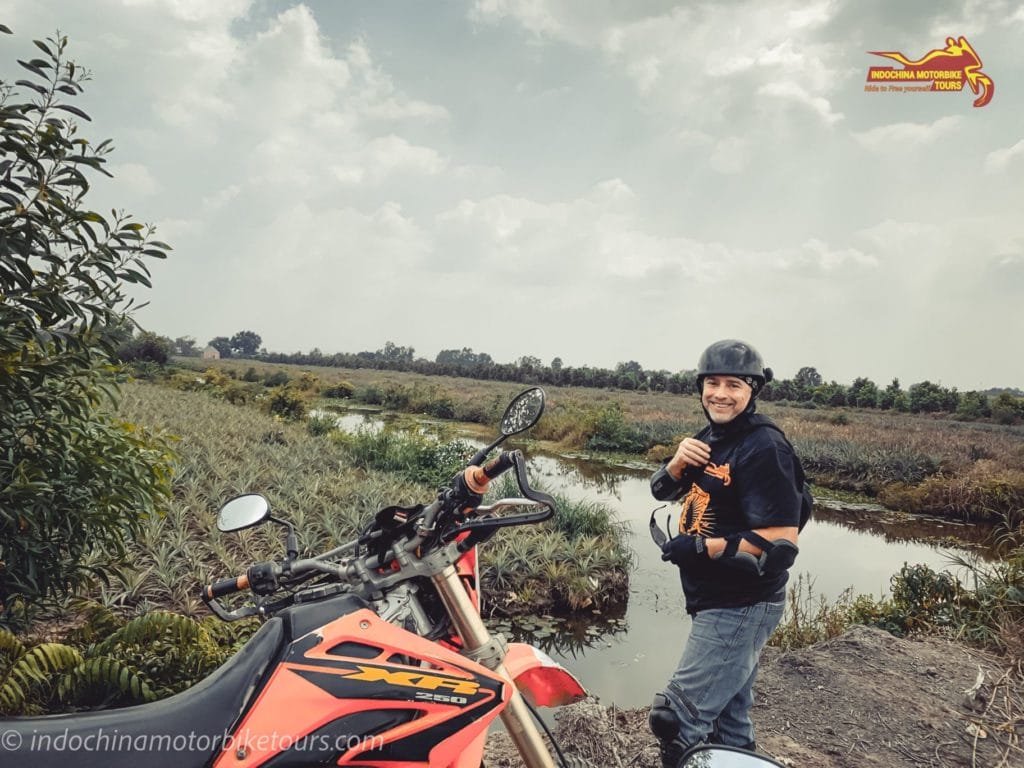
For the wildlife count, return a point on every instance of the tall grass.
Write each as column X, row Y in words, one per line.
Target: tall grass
column 922, row 463
column 328, row 488
column 987, row 610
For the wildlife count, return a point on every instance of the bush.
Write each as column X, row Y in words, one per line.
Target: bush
column 75, row 480
column 341, row 390
column 285, row 402
column 275, row 379
column 987, row 491
column 146, row 347
column 412, row 454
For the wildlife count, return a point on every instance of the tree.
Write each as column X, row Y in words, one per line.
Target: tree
column 222, row 344
column 807, row 380
column 185, row 346
column 927, row 397
column 245, row 343
column 74, row 480
column 973, row 405
column 887, row 398
column 146, row 347
column 1007, row 409
column 393, row 353
column 863, row 393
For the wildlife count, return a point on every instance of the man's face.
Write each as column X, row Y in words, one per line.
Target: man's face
column 725, row 397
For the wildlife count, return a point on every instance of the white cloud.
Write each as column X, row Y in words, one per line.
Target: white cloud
column 687, row 56
column 135, row 178
column 998, row 159
column 902, row 137
column 792, row 91
column 729, row 155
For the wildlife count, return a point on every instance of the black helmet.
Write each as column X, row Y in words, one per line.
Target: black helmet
column 733, row 358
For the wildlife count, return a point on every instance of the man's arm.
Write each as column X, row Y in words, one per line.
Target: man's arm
column 717, row 545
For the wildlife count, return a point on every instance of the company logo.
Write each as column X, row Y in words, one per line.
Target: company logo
column 943, row 69
column 411, row 679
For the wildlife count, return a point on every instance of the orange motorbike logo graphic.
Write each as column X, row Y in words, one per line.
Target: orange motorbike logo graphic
column 947, row 68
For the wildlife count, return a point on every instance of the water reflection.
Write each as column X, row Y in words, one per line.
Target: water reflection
column 624, row 658
column 899, row 527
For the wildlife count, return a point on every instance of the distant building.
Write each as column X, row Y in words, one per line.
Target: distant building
column 211, row 353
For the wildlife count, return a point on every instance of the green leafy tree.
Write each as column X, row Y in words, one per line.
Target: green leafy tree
column 887, row 397
column 1007, row 409
column 222, row 344
column 74, row 480
column 926, row 397
column 863, row 393
column 146, row 347
column 807, row 380
column 973, row 405
column 393, row 353
column 245, row 343
column 185, row 346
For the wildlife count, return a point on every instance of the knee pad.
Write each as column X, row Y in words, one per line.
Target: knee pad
column 663, row 721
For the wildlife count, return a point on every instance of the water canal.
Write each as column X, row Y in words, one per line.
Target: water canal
column 623, row 659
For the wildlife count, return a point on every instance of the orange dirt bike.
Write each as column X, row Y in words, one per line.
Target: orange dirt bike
column 371, row 655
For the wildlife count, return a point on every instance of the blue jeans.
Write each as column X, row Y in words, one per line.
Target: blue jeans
column 716, row 673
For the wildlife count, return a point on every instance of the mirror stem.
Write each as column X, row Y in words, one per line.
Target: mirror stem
column 479, row 456
column 291, row 543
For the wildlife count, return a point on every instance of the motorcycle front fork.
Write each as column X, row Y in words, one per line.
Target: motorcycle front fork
column 516, row 716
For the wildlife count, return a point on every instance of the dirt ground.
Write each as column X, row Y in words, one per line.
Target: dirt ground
column 865, row 698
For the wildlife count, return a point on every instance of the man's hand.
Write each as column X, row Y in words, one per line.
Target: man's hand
column 683, row 549
column 690, row 453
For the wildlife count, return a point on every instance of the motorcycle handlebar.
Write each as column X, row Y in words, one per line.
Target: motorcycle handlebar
column 226, row 586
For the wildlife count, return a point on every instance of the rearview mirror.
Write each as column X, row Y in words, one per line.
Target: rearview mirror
column 243, row 512
column 523, row 412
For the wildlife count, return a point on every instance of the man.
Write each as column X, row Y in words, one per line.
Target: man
column 741, row 491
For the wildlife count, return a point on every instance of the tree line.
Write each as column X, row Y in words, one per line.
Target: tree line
column 807, row 387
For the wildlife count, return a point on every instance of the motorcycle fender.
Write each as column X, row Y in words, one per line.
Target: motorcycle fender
column 542, row 680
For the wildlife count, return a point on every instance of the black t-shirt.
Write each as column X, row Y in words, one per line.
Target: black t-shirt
column 750, row 482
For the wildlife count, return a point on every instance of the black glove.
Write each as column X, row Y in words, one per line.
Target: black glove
column 683, row 549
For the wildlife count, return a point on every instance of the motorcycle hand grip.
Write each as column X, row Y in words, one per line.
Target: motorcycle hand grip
column 477, row 478
column 226, row 587
column 500, row 464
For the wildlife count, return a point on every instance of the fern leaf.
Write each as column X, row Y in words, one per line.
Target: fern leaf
column 151, row 626
column 12, row 696
column 105, row 677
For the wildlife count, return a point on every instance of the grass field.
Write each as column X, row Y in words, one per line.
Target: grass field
column 919, row 463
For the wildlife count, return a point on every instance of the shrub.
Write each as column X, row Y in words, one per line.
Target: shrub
column 287, row 403
column 74, row 478
column 340, row 389
column 412, row 454
column 276, row 379
column 987, row 491
column 320, row 424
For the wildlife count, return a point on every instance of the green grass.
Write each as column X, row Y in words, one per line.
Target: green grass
column 327, row 486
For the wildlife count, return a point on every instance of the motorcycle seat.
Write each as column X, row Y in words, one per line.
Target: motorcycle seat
column 182, row 731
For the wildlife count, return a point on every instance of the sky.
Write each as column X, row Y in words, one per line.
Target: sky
column 592, row 180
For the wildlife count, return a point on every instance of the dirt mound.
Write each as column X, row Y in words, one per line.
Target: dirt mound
column 865, row 698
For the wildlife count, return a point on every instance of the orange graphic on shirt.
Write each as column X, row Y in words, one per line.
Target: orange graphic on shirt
column 695, row 518
column 721, row 472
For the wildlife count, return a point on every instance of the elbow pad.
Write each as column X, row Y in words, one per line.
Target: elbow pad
column 779, row 557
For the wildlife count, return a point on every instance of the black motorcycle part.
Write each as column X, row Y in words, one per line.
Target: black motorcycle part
column 183, row 731
column 327, row 745
column 303, row 618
